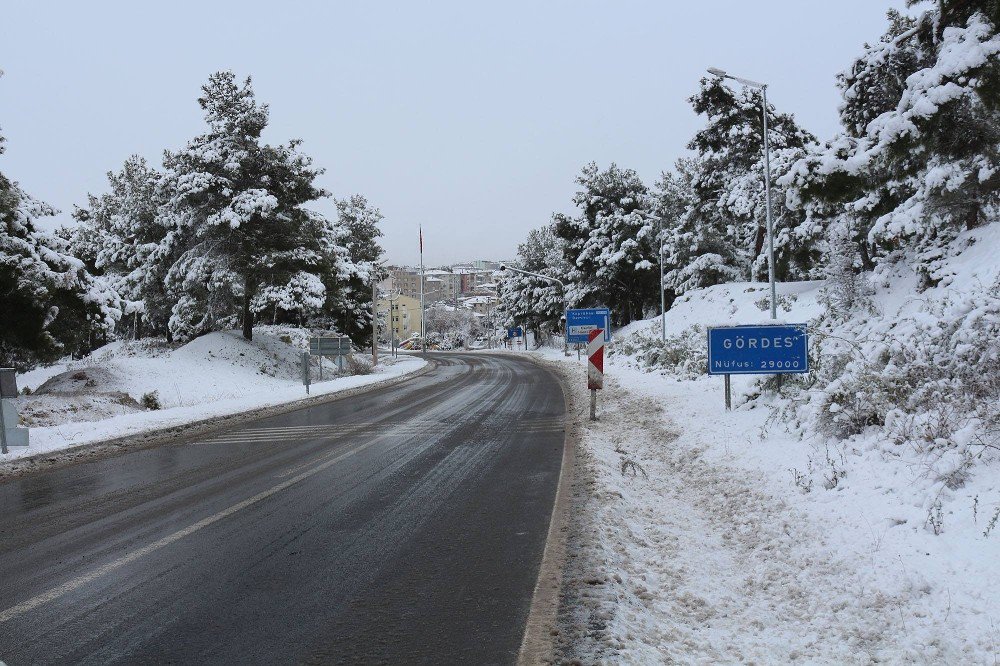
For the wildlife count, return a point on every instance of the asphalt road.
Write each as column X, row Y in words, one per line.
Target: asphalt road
column 405, row 525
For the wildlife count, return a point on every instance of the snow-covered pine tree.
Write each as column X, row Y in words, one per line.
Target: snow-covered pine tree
column 846, row 291
column 532, row 302
column 235, row 214
column 728, row 182
column 919, row 159
column 51, row 305
column 611, row 243
column 692, row 255
column 354, row 245
column 118, row 235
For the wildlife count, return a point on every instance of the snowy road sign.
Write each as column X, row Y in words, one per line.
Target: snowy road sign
column 758, row 350
column 515, row 332
column 580, row 322
column 330, row 346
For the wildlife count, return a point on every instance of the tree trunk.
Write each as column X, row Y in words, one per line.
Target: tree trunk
column 247, row 313
column 866, row 259
column 758, row 242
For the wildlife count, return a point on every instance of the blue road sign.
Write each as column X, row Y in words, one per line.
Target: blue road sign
column 758, row 350
column 579, row 323
column 515, row 332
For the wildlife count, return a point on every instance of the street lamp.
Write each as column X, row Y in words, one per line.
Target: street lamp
column 561, row 286
column 714, row 71
column 663, row 295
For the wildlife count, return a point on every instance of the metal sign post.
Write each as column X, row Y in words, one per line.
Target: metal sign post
column 305, row 370
column 595, row 368
column 770, row 349
column 336, row 346
column 10, row 433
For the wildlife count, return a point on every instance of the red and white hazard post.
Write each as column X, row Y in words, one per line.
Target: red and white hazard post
column 595, row 367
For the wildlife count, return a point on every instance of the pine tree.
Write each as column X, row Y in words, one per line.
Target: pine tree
column 118, row 235
column 235, row 214
column 356, row 267
column 611, row 243
column 918, row 161
column 51, row 305
column 532, row 302
column 696, row 253
column 730, row 202
column 846, row 290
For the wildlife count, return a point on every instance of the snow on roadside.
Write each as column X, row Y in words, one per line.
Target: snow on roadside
column 758, row 537
column 694, row 545
column 215, row 375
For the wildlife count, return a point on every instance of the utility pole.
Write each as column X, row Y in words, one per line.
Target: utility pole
column 767, row 197
column 393, row 315
column 423, row 337
column 767, row 180
column 663, row 295
column 489, row 324
column 375, row 322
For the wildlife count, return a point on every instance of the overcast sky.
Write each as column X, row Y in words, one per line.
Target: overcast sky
column 469, row 118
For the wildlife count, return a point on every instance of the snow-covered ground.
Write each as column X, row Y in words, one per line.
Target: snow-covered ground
column 100, row 397
column 702, row 536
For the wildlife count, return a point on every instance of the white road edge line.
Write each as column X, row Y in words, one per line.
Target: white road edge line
column 80, row 581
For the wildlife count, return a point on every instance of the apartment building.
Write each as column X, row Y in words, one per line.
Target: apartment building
column 403, row 316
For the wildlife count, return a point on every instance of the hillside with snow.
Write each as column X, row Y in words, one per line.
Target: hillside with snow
column 851, row 516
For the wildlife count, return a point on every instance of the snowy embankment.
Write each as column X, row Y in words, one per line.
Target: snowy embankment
column 758, row 535
column 100, row 397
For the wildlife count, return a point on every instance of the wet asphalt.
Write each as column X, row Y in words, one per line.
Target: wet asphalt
column 401, row 526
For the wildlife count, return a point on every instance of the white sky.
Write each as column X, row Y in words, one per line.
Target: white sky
column 469, row 118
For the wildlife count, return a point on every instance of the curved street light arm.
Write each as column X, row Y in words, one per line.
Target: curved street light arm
column 562, row 286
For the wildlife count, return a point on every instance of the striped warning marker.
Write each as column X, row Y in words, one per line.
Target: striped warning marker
column 595, row 359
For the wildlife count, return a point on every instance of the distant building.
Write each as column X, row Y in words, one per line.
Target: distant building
column 485, row 265
column 481, row 305
column 439, row 285
column 403, row 316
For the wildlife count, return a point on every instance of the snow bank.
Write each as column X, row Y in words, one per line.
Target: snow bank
column 694, row 545
column 214, row 375
column 760, row 535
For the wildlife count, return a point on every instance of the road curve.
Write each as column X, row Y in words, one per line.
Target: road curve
column 405, row 525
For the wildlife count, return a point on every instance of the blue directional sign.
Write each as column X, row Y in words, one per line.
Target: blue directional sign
column 515, row 332
column 758, row 350
column 579, row 323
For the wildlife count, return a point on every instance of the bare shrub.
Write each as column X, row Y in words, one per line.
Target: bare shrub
column 358, row 364
column 684, row 354
column 151, row 400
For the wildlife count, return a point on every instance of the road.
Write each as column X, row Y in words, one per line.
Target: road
column 405, row 525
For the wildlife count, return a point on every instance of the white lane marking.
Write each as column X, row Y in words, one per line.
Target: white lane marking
column 80, row 581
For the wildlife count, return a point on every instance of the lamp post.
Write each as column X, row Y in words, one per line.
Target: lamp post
column 663, row 296
column 562, row 286
column 767, row 179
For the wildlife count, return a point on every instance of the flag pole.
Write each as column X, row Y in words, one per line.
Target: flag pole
column 423, row 337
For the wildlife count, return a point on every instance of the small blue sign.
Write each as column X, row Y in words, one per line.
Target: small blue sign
column 515, row 332
column 579, row 323
column 758, row 350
